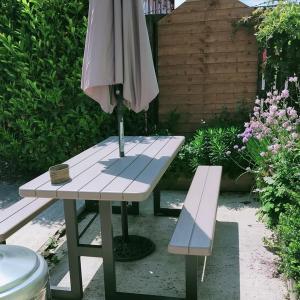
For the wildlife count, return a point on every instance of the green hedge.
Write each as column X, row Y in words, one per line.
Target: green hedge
column 44, row 116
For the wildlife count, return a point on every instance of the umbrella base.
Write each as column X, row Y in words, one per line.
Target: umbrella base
column 137, row 247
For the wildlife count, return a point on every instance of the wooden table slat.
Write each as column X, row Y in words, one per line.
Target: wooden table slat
column 28, row 189
column 78, row 171
column 70, row 190
column 100, row 174
column 93, row 189
column 143, row 185
column 114, row 190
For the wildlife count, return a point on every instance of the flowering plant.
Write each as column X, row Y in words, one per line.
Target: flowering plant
column 270, row 144
column 273, row 126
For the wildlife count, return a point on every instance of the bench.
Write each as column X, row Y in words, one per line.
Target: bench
column 194, row 232
column 20, row 213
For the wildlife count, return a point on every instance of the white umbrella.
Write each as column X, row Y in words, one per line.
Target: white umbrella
column 117, row 51
column 118, row 70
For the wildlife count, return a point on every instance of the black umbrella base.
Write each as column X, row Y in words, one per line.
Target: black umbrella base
column 137, row 247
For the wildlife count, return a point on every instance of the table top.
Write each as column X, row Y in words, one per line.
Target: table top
column 98, row 173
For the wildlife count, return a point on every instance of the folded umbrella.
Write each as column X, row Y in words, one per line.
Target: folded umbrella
column 118, row 70
column 117, row 51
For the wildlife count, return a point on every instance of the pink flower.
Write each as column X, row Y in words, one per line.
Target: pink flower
column 285, row 124
column 269, row 94
column 235, row 147
column 292, row 113
column 257, row 101
column 294, row 135
column 281, row 113
column 262, row 154
column 293, row 79
column 285, row 94
column 256, row 108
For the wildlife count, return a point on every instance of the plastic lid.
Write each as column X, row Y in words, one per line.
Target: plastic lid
column 16, row 265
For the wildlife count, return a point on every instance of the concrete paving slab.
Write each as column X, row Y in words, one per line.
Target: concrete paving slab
column 240, row 268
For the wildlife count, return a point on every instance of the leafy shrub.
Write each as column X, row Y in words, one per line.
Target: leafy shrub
column 44, row 116
column 289, row 242
column 279, row 185
column 279, row 33
column 277, row 30
column 208, row 146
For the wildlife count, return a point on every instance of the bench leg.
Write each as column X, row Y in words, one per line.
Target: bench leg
column 191, row 276
column 72, row 243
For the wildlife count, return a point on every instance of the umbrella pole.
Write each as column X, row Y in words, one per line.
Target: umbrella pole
column 120, row 126
column 124, row 204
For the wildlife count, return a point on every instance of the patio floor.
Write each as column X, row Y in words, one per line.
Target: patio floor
column 240, row 268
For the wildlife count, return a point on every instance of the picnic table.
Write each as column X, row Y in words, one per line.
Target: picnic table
column 98, row 173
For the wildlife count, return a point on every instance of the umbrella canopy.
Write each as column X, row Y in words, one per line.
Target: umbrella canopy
column 117, row 51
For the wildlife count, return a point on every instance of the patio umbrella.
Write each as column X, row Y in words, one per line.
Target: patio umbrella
column 118, row 66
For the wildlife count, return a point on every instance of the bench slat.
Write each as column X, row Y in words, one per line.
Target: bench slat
column 22, row 216
column 194, row 231
column 9, row 211
column 204, row 227
column 185, row 223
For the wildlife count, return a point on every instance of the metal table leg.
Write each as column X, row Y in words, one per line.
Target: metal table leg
column 72, row 243
column 75, row 250
column 107, row 249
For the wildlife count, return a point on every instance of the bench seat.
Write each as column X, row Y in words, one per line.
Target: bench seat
column 194, row 232
column 20, row 213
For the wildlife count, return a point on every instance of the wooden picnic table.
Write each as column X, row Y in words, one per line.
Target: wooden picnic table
column 98, row 173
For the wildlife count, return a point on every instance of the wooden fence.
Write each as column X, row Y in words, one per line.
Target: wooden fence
column 203, row 66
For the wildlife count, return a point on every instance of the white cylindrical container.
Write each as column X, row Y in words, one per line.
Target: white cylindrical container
column 23, row 274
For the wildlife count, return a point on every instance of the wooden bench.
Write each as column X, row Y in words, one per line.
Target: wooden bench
column 20, row 213
column 194, row 232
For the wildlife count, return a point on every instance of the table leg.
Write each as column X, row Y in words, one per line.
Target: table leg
column 107, row 249
column 72, row 243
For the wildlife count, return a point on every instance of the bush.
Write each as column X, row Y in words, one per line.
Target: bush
column 208, row 146
column 289, row 242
